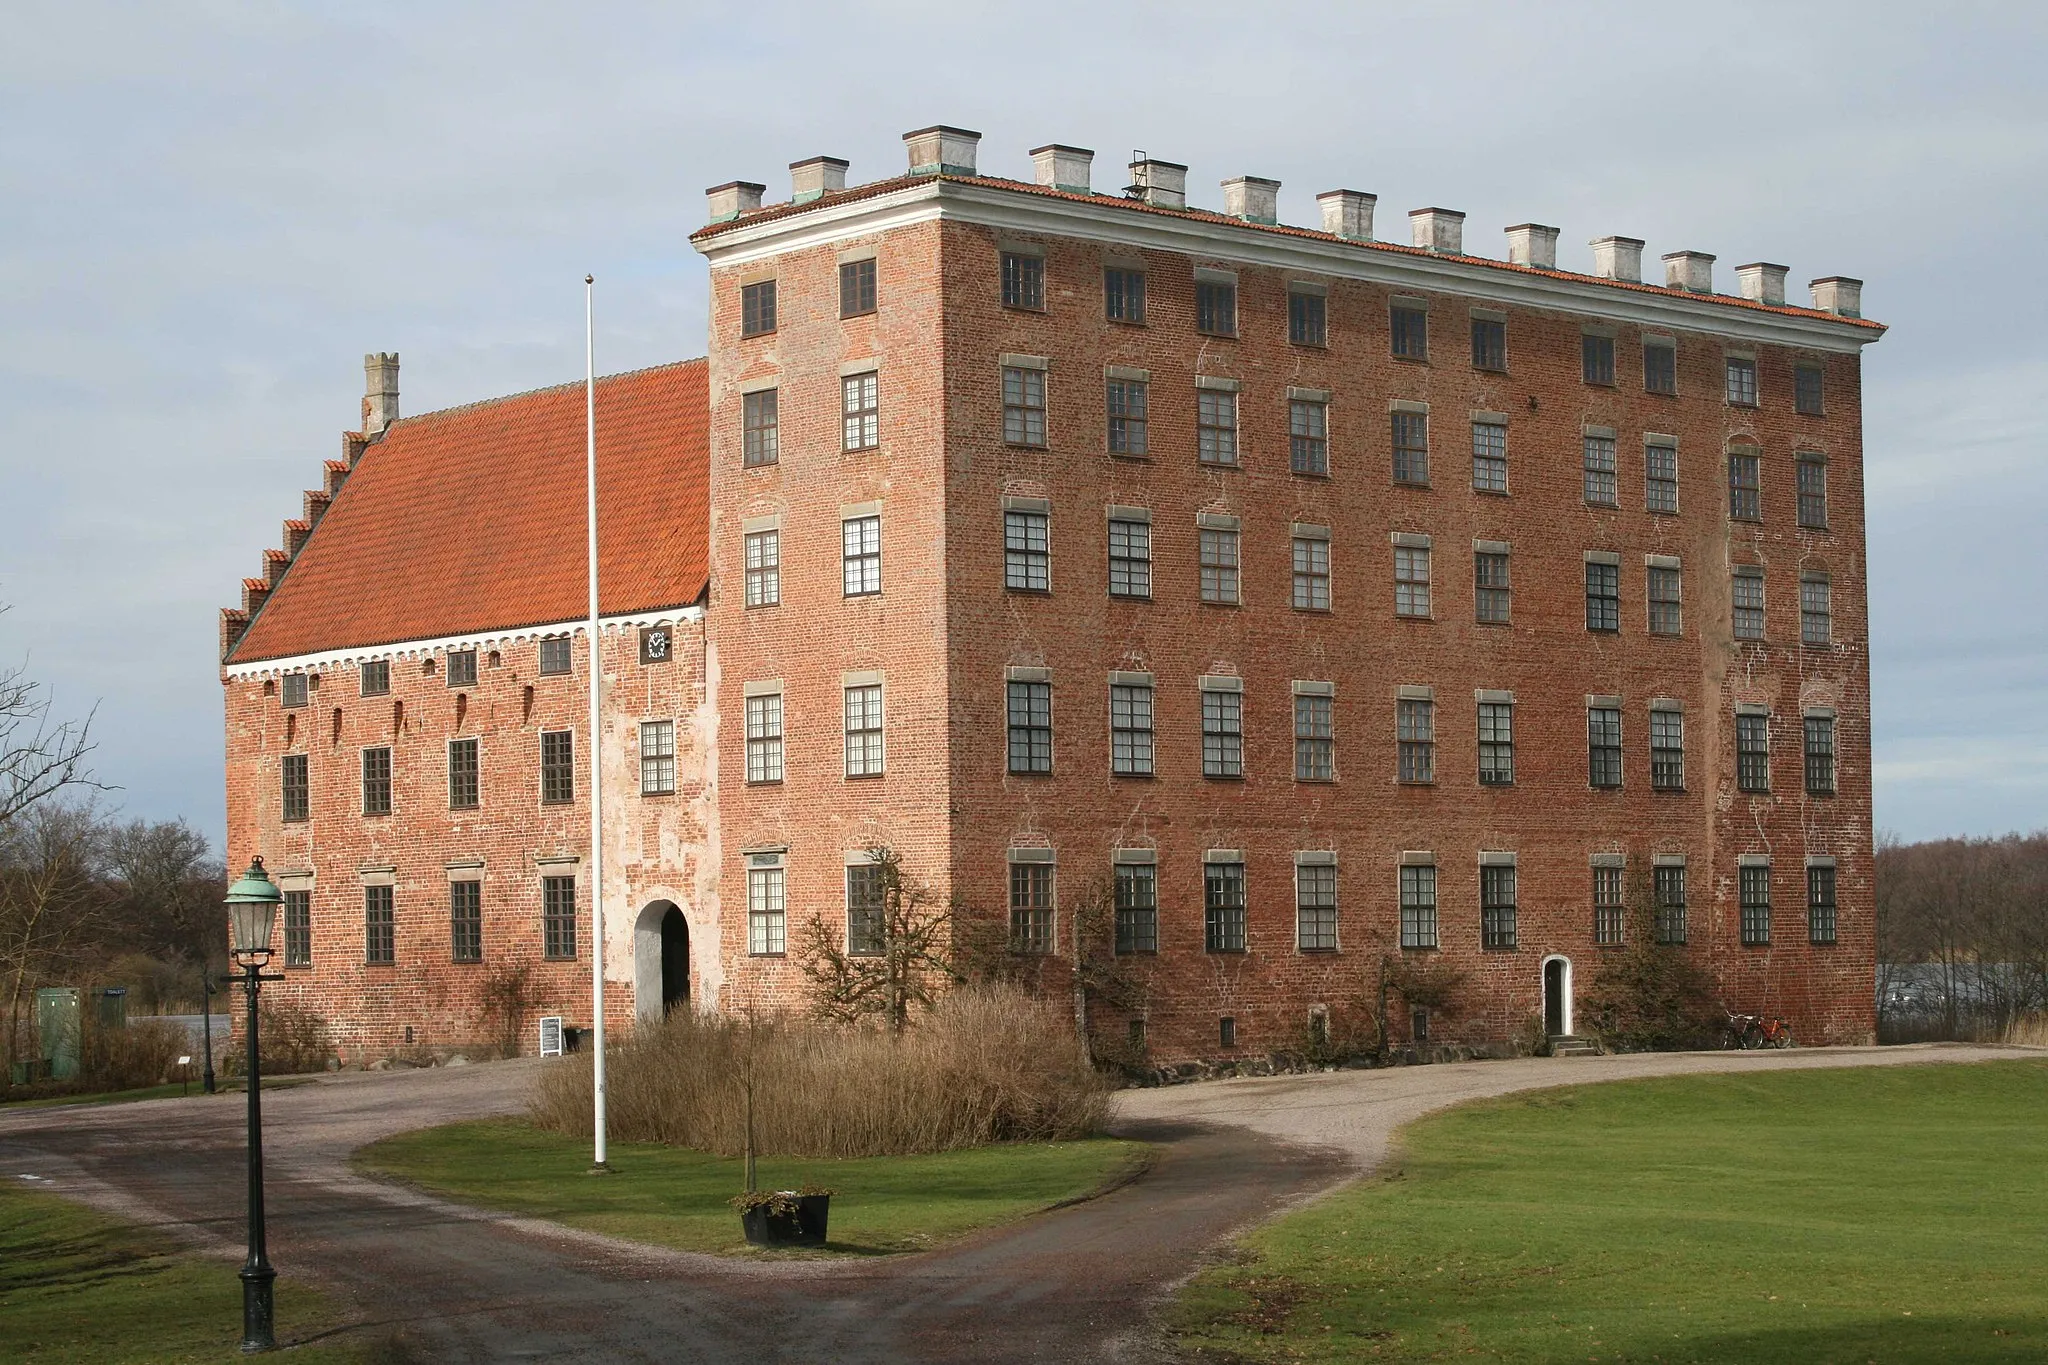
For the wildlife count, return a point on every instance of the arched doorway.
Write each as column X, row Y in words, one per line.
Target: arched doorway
column 1557, row 997
column 675, row 961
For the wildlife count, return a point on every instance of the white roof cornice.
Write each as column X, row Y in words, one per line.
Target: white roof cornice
column 416, row 649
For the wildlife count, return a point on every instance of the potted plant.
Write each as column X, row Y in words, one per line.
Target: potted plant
column 784, row 1218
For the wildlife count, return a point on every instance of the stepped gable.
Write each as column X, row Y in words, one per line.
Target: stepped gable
column 471, row 519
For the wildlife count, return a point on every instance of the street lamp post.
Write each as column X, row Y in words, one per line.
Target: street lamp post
column 206, row 1022
column 252, row 908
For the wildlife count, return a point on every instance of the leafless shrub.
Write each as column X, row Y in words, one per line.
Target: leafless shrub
column 988, row 1064
column 144, row 1053
column 294, row 1039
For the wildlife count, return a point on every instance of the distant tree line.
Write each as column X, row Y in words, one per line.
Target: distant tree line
column 1962, row 936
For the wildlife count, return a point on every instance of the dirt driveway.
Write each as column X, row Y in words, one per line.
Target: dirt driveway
column 457, row 1284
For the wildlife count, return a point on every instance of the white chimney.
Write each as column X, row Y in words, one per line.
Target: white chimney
column 1252, row 199
column 815, row 178
column 1836, row 294
column 1533, row 244
column 1440, row 230
column 1761, row 281
column 1063, row 168
column 1618, row 258
column 380, row 391
column 1348, row 213
column 1692, row 271
column 1162, row 184
column 735, row 197
column 940, row 150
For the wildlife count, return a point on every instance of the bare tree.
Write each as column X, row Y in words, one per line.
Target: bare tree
column 39, row 755
column 168, row 887
column 912, row 959
column 52, row 906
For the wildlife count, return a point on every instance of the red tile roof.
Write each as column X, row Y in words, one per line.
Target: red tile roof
column 771, row 212
column 471, row 519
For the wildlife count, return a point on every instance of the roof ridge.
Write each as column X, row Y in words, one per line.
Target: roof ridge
column 547, row 388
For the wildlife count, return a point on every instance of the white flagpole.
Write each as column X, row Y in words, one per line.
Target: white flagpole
column 596, row 736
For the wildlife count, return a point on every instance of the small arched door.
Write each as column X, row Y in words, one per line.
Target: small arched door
column 1557, row 997
column 675, row 960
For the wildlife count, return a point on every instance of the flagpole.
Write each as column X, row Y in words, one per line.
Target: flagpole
column 596, row 739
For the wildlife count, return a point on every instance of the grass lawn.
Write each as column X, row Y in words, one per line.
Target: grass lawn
column 78, row 1287
column 677, row 1198
column 1890, row 1215
column 172, row 1091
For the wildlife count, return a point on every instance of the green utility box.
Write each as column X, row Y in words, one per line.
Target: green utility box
column 57, row 1026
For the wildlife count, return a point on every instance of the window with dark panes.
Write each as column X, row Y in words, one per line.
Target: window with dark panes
column 757, row 308
column 764, row 568
column 1745, row 487
column 860, row 551
column 1660, row 478
column 1489, row 344
column 1222, row 734
column 558, row 917
column 1410, row 328
column 380, row 932
column 1311, row 573
column 1754, row 889
column 1752, row 752
column 1418, row 907
column 1668, row 925
column 1215, row 308
column 860, row 408
column 293, row 691
column 1411, row 580
column 1497, row 906
column 1820, row 905
column 856, row 288
column 1813, row 494
column 1023, row 281
column 1807, row 391
column 1666, row 612
column 764, row 738
column 760, row 428
column 1030, row 705
column 1123, row 294
column 554, row 655
column 1667, row 751
column 297, row 787
column 1027, row 551
column 1660, row 368
column 1223, row 907
column 1492, row 597
column 1315, row 739
column 1137, row 908
column 1219, row 565
column 1023, row 406
column 864, row 734
column 1411, row 447
column 1305, row 319
column 657, row 758
column 1226, row 1032
column 767, row 911
column 465, row 778
column 1603, row 596
column 1496, row 743
column 1489, row 457
column 1820, row 755
column 1816, row 611
column 462, row 668
column 1031, row 907
column 1596, row 359
column 298, row 928
column 1130, row 730
column 557, row 766
column 1748, row 590
column 1308, row 436
column 1603, row 746
column 1608, row 914
column 1415, row 737
column 1741, row 381
column 466, row 921
column 1603, row 486
column 374, row 677
column 1216, row 426
column 1130, row 559
column 867, row 910
column 1315, row 907
column 377, row 781
column 1128, row 405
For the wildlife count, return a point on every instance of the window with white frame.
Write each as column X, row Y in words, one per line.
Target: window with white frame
column 1660, row 478
column 1489, row 457
column 764, row 738
column 864, row 730
column 1418, row 906
column 760, row 442
column 1030, row 727
column 861, row 555
column 764, row 568
column 1603, row 488
column 657, row 758
column 1411, row 447
column 867, row 909
column 1307, row 318
column 1748, row 595
column 1023, row 406
column 1492, row 597
column 1223, row 907
column 1027, row 551
column 1667, row 750
column 1315, row 907
column 1222, row 733
column 1820, row 904
column 1608, row 914
column 1315, row 741
column 1666, row 613
column 1137, row 908
column 1130, row 729
column 1308, row 435
column 1216, row 308
column 1219, row 565
column 1496, row 743
column 1415, row 739
column 1603, row 596
column 1816, row 610
column 1820, row 755
column 1497, row 893
column 1669, row 924
column 1745, row 486
column 1754, row 891
column 1023, row 281
column 1123, row 294
column 1032, row 908
column 1130, row 558
column 1411, row 580
column 1312, row 573
column 1813, row 493
column 766, row 910
column 1742, row 381
column 1752, row 752
column 1808, row 390
column 1128, row 403
column 860, row 411
column 1216, row 426
column 1603, row 746
column 1660, row 367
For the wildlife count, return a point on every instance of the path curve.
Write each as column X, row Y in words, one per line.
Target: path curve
column 1077, row 1284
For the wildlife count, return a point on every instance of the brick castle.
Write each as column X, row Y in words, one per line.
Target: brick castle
column 1306, row 601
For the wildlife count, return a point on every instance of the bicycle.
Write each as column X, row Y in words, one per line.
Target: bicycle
column 1750, row 1032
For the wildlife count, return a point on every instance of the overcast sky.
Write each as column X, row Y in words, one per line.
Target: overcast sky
column 209, row 212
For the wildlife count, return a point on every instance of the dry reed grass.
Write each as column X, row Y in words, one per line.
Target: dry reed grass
column 2029, row 1030
column 989, row 1065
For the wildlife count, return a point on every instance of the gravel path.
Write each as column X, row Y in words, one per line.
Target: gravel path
column 458, row 1284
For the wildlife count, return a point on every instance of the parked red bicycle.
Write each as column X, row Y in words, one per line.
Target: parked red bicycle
column 1752, row 1031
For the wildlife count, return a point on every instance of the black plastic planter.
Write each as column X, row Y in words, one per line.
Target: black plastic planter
column 803, row 1228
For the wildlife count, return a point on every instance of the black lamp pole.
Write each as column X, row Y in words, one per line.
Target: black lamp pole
column 206, row 1023
column 258, row 1279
